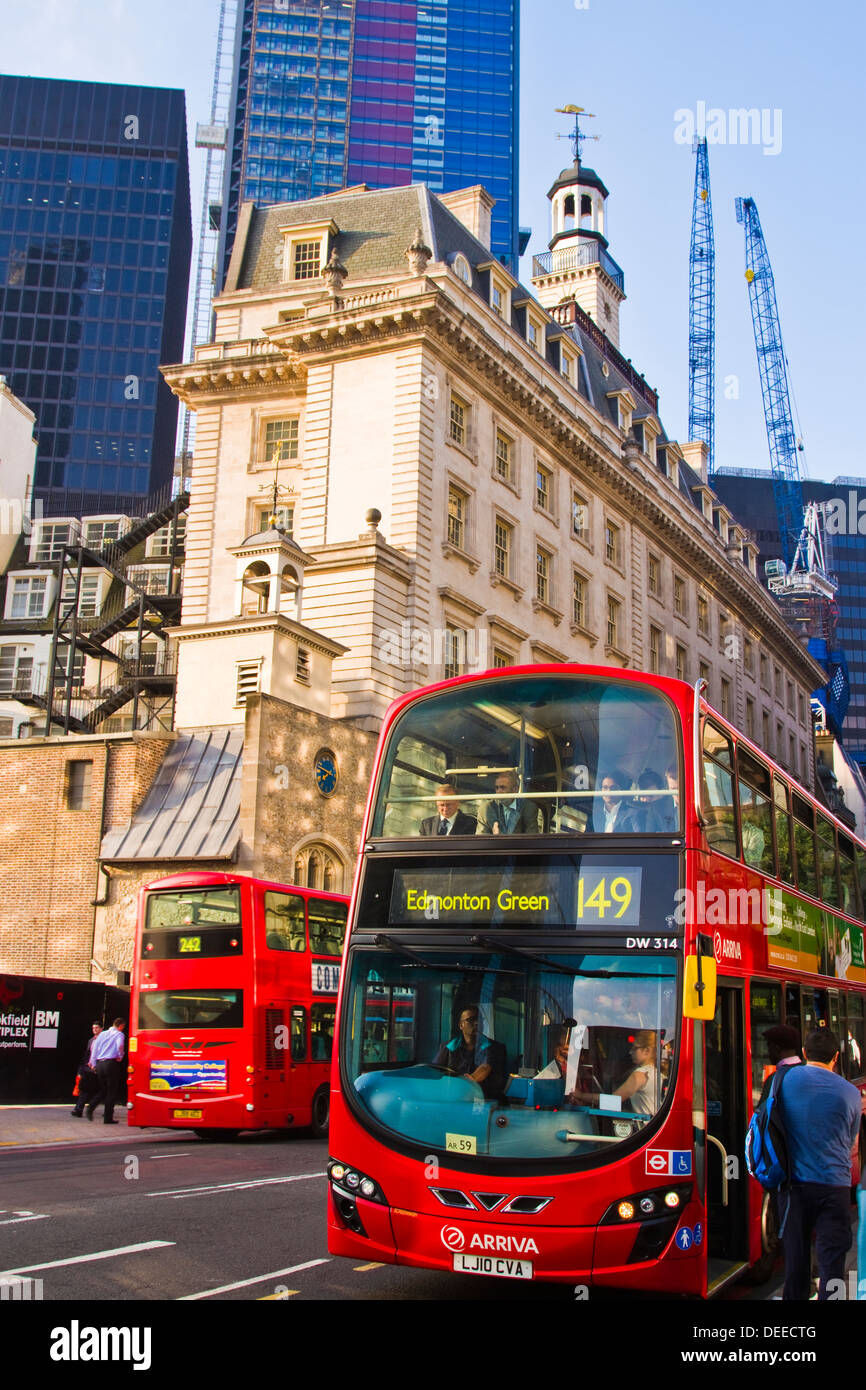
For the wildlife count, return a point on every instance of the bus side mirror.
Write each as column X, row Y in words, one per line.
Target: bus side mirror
column 699, row 988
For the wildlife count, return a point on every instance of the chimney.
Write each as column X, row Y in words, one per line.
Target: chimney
column 696, row 455
column 473, row 207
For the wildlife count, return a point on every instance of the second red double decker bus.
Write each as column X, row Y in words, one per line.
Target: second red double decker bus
column 581, row 901
column 233, row 1004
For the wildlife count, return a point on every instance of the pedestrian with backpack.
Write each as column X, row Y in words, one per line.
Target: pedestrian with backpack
column 821, row 1113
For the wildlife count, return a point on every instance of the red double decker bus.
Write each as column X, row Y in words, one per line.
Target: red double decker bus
column 582, row 899
column 233, row 1004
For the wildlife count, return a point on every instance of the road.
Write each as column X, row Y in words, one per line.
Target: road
column 170, row 1218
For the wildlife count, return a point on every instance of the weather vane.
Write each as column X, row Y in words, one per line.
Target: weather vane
column 577, row 136
column 276, row 488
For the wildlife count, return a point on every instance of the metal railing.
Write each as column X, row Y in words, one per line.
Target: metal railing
column 574, row 257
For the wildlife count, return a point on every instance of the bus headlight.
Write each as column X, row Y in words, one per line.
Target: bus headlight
column 644, row 1206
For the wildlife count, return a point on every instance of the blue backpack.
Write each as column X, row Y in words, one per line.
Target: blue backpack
column 766, row 1140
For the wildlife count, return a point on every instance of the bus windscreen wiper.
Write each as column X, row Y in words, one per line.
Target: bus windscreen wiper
column 389, row 943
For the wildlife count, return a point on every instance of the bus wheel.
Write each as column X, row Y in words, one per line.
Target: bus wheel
column 770, row 1244
column 215, row 1136
column 321, row 1111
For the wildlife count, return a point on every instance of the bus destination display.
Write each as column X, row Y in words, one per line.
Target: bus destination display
column 591, row 896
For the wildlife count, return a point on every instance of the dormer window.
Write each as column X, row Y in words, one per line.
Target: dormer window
column 306, row 250
column 496, row 300
column 462, row 269
column 306, row 260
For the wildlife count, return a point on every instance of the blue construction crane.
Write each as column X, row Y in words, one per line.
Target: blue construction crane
column 702, row 311
column 772, row 369
column 791, row 581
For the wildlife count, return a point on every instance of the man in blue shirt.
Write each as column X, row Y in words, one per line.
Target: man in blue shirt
column 821, row 1112
column 106, row 1058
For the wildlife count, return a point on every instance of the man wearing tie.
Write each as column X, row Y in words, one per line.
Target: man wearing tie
column 450, row 820
column 510, row 814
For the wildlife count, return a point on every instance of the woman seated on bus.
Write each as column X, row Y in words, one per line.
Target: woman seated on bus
column 640, row 1090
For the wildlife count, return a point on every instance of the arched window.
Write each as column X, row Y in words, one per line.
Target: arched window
column 313, row 870
column 318, row 866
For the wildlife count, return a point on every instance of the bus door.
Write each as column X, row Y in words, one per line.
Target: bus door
column 727, row 1119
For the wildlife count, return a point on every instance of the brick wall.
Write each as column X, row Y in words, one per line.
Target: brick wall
column 49, row 848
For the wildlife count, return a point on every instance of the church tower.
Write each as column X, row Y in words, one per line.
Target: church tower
column 577, row 265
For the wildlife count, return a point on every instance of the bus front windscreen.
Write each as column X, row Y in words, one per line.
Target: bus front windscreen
column 192, row 922
column 529, row 755
column 512, row 1055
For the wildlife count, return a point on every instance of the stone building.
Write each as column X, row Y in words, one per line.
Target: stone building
column 531, row 506
column 408, row 465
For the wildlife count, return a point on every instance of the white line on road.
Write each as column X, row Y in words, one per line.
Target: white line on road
column 97, row 1255
column 183, row 1155
column 232, row 1186
column 24, row 1216
column 245, row 1283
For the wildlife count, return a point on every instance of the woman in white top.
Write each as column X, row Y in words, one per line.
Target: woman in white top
column 640, row 1087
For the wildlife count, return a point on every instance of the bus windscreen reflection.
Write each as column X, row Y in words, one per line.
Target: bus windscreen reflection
column 536, row 1058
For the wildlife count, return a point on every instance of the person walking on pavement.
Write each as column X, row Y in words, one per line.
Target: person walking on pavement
column 86, row 1076
column 821, row 1113
column 107, row 1060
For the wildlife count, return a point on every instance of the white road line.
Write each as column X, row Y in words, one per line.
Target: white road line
column 25, row 1216
column 232, row 1186
column 97, row 1255
column 183, row 1155
column 245, row 1283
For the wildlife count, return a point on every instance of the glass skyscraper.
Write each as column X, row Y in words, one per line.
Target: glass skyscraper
column 95, row 244
column 330, row 93
column 749, row 494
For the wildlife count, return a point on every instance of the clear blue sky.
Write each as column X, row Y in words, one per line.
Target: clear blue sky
column 635, row 64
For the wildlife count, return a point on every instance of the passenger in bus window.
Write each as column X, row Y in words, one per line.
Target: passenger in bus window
column 556, row 1069
column 613, row 812
column 640, row 1090
column 473, row 1055
column 450, row 820
column 509, row 814
column 648, row 816
column 641, row 1086
column 753, row 839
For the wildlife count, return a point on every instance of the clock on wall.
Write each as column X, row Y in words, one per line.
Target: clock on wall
column 326, row 770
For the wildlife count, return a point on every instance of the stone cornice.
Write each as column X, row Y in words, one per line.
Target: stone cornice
column 195, row 383
column 267, row 622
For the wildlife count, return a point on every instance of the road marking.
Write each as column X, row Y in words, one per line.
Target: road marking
column 23, row 1216
column 183, row 1155
column 97, row 1255
column 245, row 1283
column 231, row 1186
column 361, row 1269
column 289, row 1293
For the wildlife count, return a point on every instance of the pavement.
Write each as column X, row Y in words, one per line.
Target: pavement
column 27, row 1126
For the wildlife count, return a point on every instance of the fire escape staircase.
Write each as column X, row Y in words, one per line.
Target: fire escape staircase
column 136, row 676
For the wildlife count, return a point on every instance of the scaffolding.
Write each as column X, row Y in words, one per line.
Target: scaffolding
column 214, row 138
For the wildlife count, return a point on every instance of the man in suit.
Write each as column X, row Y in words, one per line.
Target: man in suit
column 613, row 813
column 450, row 820
column 510, row 814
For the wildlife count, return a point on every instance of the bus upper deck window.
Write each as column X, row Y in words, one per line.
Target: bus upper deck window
column 284, row 922
column 717, row 799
